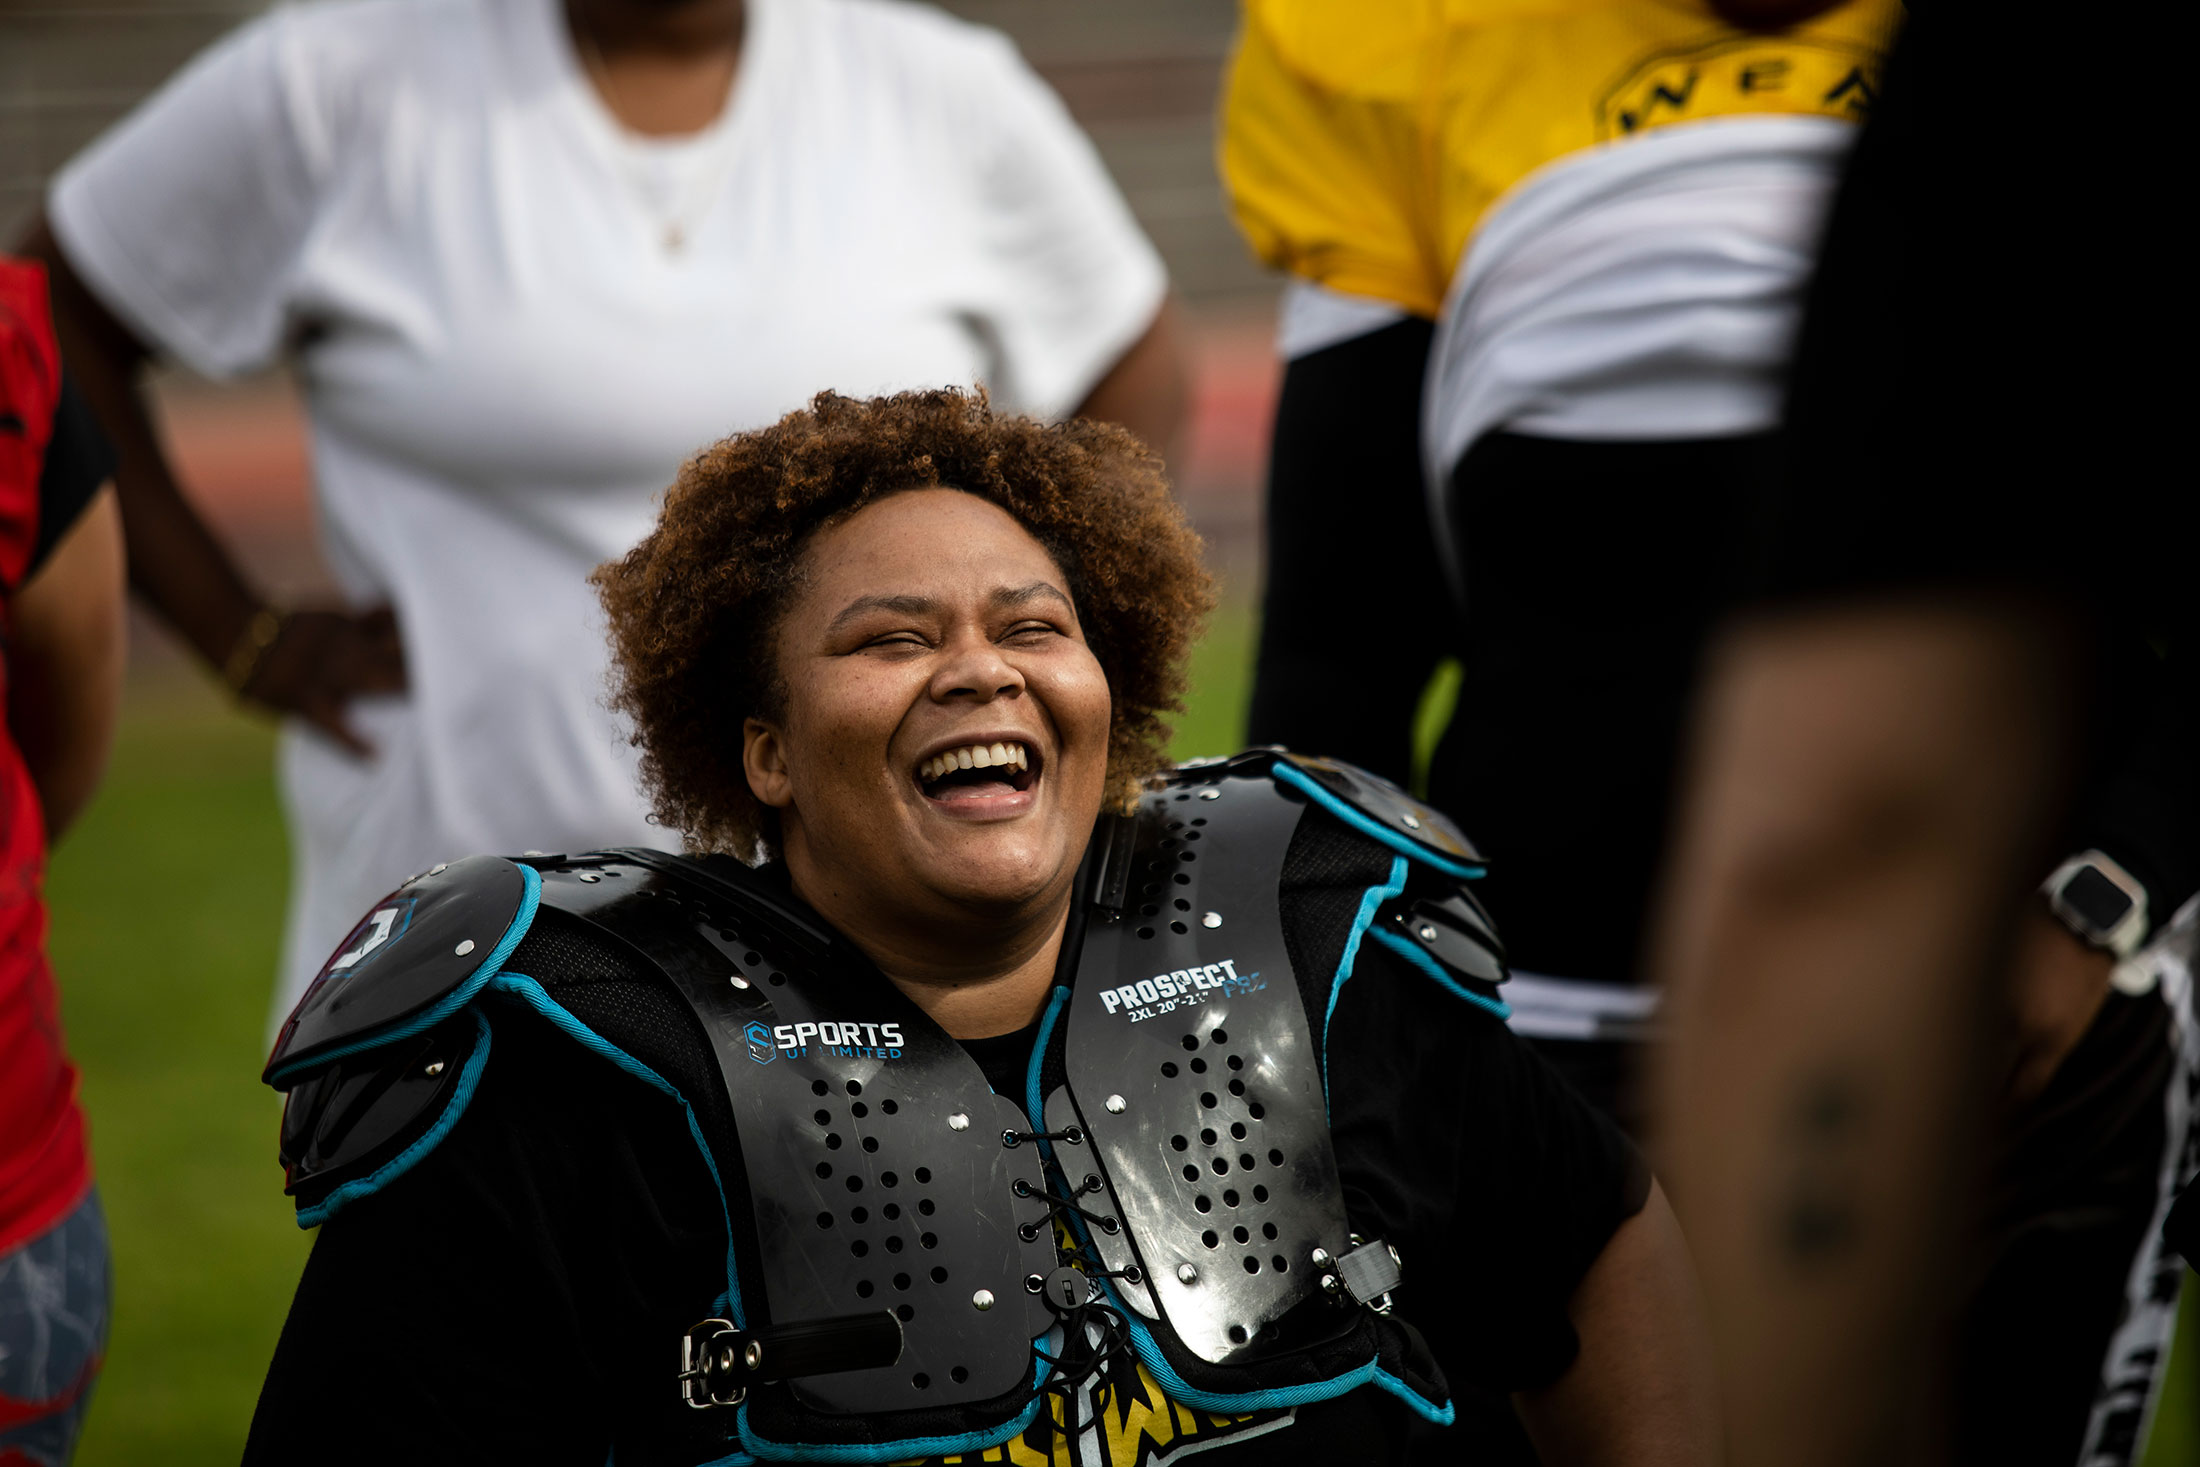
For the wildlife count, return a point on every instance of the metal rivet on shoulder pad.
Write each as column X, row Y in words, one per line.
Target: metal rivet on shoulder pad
column 435, row 1067
column 1426, row 932
column 1212, row 919
column 439, row 868
column 1412, row 821
column 738, row 981
column 590, row 876
column 534, row 853
column 1115, row 1105
column 1186, row 1274
column 464, row 948
column 1321, row 1258
column 1210, row 794
column 958, row 1122
column 982, row 1300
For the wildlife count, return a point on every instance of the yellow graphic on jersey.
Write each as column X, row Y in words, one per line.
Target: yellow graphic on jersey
column 1363, row 143
column 1139, row 1427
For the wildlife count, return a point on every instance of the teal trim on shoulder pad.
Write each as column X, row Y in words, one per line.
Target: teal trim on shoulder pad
column 1374, row 897
column 908, row 1449
column 1035, row 1104
column 366, row 1186
column 1435, row 970
column 450, row 1003
column 1419, row 1404
column 1178, row 1389
column 1314, row 790
column 531, row 993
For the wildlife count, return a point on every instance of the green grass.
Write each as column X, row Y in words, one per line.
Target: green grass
column 167, row 901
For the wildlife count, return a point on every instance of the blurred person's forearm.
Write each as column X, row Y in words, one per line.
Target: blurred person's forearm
column 174, row 560
column 66, row 644
column 1870, row 795
column 1148, row 390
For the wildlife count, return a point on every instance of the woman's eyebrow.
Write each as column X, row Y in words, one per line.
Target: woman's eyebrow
column 901, row 605
column 910, row 605
column 1018, row 595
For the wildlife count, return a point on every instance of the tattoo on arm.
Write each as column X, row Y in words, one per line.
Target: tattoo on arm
column 1816, row 1217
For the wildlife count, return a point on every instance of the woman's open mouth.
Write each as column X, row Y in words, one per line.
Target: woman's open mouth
column 978, row 772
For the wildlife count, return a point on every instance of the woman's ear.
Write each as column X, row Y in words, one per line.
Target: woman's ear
column 764, row 762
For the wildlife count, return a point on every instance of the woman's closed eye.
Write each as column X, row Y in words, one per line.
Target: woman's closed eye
column 896, row 641
column 1026, row 633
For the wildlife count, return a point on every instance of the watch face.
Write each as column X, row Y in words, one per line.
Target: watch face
column 2099, row 902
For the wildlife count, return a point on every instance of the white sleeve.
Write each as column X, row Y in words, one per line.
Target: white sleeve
column 188, row 217
column 1074, row 281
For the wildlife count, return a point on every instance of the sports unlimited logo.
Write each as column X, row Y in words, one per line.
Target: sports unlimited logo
column 761, row 1047
column 841, row 1040
column 1165, row 993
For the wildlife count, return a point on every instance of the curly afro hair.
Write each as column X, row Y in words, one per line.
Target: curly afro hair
column 695, row 608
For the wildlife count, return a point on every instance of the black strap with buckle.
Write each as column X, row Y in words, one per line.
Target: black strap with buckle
column 719, row 1362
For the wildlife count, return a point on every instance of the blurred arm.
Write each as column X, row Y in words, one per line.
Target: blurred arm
column 1148, row 388
column 66, row 645
column 175, row 561
column 1642, row 1389
column 1872, row 788
column 321, row 659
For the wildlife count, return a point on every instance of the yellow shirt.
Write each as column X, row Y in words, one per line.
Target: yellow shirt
column 1363, row 141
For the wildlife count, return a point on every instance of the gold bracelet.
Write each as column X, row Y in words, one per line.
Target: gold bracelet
column 258, row 635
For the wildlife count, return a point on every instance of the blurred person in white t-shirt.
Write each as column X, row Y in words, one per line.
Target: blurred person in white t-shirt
column 524, row 257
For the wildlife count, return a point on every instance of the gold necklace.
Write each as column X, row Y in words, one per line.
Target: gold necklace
column 675, row 225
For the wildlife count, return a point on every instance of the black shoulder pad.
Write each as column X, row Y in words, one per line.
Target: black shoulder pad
column 1375, row 807
column 353, row 1124
column 417, row 957
column 698, row 920
column 1451, row 927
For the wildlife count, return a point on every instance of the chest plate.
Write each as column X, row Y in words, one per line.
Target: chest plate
column 1194, row 1069
column 873, row 1146
column 874, row 1149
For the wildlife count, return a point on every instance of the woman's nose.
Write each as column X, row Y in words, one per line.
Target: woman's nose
column 975, row 669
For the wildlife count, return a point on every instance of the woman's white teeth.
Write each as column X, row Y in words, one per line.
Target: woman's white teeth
column 977, row 756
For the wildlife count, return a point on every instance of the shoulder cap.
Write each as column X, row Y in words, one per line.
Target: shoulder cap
column 416, row 957
column 1380, row 810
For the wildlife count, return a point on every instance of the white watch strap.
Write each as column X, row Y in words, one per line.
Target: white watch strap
column 2130, row 930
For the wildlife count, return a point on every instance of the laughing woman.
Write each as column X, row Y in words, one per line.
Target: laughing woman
column 981, row 1086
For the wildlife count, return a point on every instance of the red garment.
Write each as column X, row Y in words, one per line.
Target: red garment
column 45, row 1168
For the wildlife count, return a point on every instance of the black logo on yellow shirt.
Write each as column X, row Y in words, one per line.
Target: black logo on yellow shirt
column 1731, row 75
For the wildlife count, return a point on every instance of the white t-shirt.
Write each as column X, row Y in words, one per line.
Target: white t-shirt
column 1645, row 289
column 426, row 206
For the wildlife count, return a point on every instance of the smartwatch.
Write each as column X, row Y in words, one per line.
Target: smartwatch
column 2099, row 901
